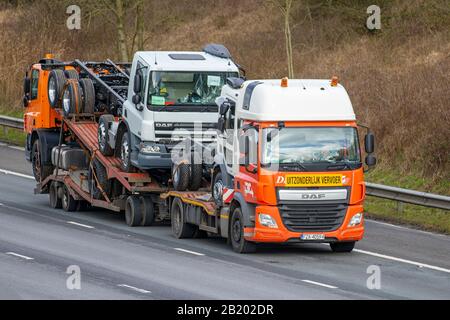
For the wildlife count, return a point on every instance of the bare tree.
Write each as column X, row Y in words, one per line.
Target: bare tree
column 285, row 6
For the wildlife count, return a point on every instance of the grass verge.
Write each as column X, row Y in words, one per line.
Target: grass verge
column 417, row 216
column 11, row 135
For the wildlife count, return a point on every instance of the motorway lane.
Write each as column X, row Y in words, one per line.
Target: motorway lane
column 111, row 254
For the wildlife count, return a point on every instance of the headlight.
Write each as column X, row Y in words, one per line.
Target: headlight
column 150, row 148
column 267, row 221
column 355, row 220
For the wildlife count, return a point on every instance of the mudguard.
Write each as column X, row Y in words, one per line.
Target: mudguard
column 47, row 140
column 248, row 210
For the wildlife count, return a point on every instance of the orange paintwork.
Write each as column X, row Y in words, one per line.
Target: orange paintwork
column 263, row 186
column 38, row 113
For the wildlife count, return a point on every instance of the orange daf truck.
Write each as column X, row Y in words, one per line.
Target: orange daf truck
column 287, row 169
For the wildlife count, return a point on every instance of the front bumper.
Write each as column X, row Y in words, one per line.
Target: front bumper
column 280, row 234
column 146, row 161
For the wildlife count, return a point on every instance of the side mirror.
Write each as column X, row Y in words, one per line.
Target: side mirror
column 25, row 100
column 137, row 83
column 247, row 156
column 371, row 160
column 26, row 85
column 369, row 142
column 136, row 99
column 224, row 107
column 221, row 124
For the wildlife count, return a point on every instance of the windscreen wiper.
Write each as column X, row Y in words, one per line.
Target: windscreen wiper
column 294, row 164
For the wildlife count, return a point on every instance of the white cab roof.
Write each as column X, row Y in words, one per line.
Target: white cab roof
column 302, row 100
column 162, row 60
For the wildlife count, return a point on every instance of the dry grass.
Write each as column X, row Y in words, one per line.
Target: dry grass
column 398, row 78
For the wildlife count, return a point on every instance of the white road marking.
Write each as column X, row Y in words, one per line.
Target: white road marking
column 188, row 251
column 19, row 255
column 388, row 224
column 16, row 174
column 17, row 148
column 80, row 224
column 133, row 288
column 415, row 263
column 320, row 284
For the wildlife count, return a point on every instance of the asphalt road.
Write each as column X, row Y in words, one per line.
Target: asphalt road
column 38, row 244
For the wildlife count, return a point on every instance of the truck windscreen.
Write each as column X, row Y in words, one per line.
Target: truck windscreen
column 185, row 88
column 310, row 147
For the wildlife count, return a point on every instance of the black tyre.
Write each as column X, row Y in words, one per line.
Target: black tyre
column 40, row 171
column 54, row 199
column 180, row 228
column 102, row 134
column 133, row 213
column 148, row 211
column 196, row 174
column 125, row 152
column 68, row 203
column 102, row 178
column 71, row 74
column 217, row 189
column 236, row 234
column 180, row 176
column 71, row 101
column 342, row 246
column 56, row 81
column 82, row 205
column 87, row 95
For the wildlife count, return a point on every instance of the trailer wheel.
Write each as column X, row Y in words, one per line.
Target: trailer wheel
column 148, row 211
column 68, row 203
column 87, row 95
column 55, row 201
column 71, row 74
column 180, row 228
column 195, row 179
column 102, row 134
column 180, row 176
column 71, row 102
column 125, row 152
column 56, row 81
column 40, row 171
column 342, row 246
column 133, row 213
column 82, row 205
column 236, row 234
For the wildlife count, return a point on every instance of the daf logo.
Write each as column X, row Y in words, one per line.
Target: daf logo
column 163, row 125
column 313, row 196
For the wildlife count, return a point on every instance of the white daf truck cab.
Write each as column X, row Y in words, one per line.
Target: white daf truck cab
column 171, row 97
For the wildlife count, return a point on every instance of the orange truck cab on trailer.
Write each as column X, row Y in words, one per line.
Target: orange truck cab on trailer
column 288, row 164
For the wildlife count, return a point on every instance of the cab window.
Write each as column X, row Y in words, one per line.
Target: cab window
column 34, row 84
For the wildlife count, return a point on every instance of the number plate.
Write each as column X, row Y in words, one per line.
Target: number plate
column 313, row 236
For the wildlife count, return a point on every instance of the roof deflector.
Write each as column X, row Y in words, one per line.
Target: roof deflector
column 217, row 50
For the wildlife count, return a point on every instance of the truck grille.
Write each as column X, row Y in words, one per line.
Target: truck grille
column 317, row 217
column 180, row 130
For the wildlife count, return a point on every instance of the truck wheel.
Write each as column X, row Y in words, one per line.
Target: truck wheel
column 71, row 102
column 238, row 242
column 102, row 134
column 103, row 181
column 148, row 211
column 55, row 201
column 180, row 229
column 68, row 203
column 125, row 152
column 82, row 205
column 133, row 213
column 40, row 171
column 195, row 179
column 87, row 95
column 180, row 176
column 71, row 74
column 56, row 81
column 217, row 189
column 342, row 246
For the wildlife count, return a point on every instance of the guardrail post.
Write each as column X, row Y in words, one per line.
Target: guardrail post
column 400, row 207
column 5, row 131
